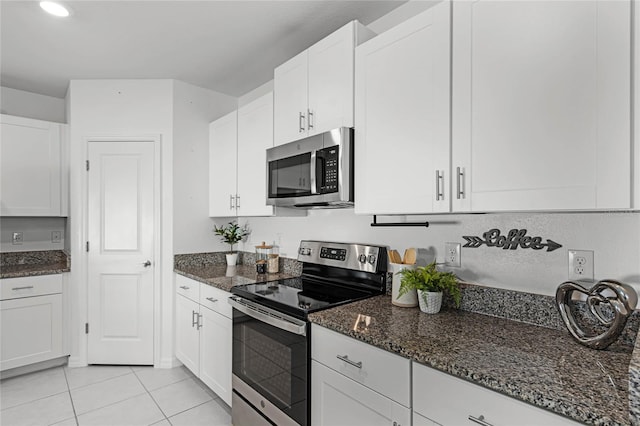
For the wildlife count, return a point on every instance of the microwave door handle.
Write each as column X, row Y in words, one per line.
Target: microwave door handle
column 313, row 172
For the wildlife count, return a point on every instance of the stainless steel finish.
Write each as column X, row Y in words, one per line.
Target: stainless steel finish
column 212, row 300
column 309, row 251
column 269, row 316
column 341, row 137
column 309, row 117
column 199, row 323
column 26, row 287
column 479, row 420
column 147, row 264
column 259, row 404
column 346, row 359
column 243, row 414
column 194, row 321
column 621, row 304
column 184, row 287
column 230, row 202
column 460, row 183
column 301, row 127
column 237, row 201
column 439, row 185
column 314, row 187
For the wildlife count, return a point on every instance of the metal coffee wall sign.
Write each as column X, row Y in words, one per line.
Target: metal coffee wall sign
column 516, row 238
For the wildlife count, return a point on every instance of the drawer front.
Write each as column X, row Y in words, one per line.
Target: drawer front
column 215, row 299
column 15, row 288
column 448, row 400
column 188, row 288
column 382, row 371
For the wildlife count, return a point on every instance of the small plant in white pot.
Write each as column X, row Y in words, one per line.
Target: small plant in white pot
column 430, row 284
column 231, row 234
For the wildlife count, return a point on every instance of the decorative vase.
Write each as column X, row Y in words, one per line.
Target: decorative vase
column 232, row 259
column 407, row 300
column 430, row 301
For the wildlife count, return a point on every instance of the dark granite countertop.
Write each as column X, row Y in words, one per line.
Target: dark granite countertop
column 32, row 263
column 541, row 366
column 225, row 277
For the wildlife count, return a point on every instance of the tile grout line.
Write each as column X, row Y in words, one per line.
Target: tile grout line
column 99, row 381
column 73, row 407
column 153, row 399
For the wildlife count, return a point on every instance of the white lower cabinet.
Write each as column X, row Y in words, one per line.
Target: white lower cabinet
column 204, row 333
column 353, row 383
column 445, row 400
column 31, row 320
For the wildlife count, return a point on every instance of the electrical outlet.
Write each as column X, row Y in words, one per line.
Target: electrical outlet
column 581, row 265
column 17, row 238
column 56, row 236
column 452, row 254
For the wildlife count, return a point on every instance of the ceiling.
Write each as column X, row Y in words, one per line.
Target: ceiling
column 231, row 47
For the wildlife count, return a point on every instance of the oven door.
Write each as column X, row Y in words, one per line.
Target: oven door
column 270, row 362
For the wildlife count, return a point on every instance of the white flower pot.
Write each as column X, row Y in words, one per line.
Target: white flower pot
column 430, row 301
column 232, row 259
column 407, row 300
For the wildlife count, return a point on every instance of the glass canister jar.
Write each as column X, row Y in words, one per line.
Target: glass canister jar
column 262, row 256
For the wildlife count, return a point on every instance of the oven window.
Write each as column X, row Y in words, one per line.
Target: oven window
column 273, row 362
column 290, row 176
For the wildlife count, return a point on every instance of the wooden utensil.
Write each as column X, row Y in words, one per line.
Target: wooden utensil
column 394, row 256
column 409, row 256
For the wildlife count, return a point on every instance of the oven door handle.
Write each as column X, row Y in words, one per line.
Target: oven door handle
column 269, row 316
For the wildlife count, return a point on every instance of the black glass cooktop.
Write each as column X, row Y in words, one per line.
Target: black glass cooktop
column 298, row 296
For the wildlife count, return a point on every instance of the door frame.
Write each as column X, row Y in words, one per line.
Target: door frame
column 83, row 293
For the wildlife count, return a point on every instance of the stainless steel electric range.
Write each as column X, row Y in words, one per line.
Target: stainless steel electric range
column 271, row 333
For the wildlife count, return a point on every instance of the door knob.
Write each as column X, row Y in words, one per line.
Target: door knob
column 147, row 264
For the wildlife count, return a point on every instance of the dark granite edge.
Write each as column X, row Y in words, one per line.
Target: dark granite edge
column 534, row 398
column 34, row 273
column 34, row 263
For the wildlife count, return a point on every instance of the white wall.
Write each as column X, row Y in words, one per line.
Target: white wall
column 119, row 108
column 194, row 108
column 36, row 233
column 32, row 105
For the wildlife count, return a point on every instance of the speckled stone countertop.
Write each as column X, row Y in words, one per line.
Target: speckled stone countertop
column 224, row 277
column 32, row 263
column 542, row 366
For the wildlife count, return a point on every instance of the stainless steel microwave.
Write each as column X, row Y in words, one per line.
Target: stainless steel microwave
column 315, row 172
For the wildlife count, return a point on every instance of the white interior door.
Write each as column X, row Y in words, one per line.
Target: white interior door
column 121, row 221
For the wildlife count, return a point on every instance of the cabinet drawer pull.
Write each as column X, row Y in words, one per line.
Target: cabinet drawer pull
column 439, row 185
column 184, row 287
column 346, row 359
column 237, row 201
column 479, row 420
column 460, row 182
column 212, row 300
column 301, row 127
column 27, row 287
column 230, row 202
column 194, row 318
column 309, row 121
column 199, row 321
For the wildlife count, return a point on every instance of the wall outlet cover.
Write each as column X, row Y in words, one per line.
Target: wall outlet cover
column 17, row 238
column 452, row 254
column 580, row 264
column 56, row 236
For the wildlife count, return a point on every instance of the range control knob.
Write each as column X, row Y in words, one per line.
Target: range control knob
column 362, row 258
column 372, row 259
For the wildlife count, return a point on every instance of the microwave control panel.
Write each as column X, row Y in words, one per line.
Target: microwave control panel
column 329, row 180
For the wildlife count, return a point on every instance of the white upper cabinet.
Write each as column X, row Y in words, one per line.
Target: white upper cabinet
column 223, row 140
column 541, row 105
column 255, row 136
column 402, row 122
column 313, row 91
column 33, row 167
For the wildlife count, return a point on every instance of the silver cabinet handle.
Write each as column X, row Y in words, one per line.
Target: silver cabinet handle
column 439, row 185
column 194, row 318
column 346, row 359
column 479, row 420
column 237, row 201
column 460, row 182
column 301, row 126
column 147, row 264
column 212, row 300
column 27, row 287
column 310, row 116
column 184, row 287
column 231, row 197
column 199, row 321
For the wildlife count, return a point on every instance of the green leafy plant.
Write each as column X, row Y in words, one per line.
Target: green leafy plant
column 231, row 233
column 428, row 278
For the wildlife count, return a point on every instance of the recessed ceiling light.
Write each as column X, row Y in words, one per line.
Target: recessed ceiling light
column 54, row 8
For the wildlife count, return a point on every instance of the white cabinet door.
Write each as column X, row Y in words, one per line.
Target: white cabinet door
column 331, row 63
column 255, row 136
column 31, row 164
column 187, row 333
column 338, row 400
column 402, row 120
column 290, row 99
column 31, row 330
column 223, row 137
column 541, row 105
column 215, row 353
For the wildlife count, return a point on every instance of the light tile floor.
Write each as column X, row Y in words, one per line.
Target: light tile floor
column 110, row 396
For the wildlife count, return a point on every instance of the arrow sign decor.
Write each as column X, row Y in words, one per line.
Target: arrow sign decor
column 514, row 239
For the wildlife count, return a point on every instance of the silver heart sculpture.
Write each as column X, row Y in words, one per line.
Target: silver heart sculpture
column 623, row 304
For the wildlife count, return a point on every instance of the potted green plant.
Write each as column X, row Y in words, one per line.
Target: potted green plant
column 232, row 233
column 430, row 284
